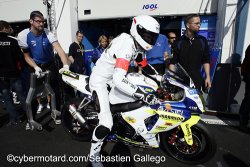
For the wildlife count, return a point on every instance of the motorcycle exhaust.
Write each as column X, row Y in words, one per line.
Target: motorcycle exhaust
column 76, row 115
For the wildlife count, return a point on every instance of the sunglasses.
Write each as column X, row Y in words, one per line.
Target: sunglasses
column 40, row 21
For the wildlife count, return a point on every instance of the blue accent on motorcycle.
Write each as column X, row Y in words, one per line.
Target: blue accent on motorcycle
column 192, row 91
column 178, row 108
column 155, row 106
column 151, row 121
column 191, row 104
column 111, row 137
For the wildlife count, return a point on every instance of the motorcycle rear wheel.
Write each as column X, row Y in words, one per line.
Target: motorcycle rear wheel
column 202, row 150
column 72, row 127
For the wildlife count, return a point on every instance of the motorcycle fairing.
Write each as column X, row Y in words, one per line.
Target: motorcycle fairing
column 125, row 107
column 166, row 121
column 186, row 128
column 77, row 81
column 136, row 118
column 140, row 144
column 195, row 101
column 71, row 74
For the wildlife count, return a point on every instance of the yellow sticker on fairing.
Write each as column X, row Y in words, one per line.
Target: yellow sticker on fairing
column 168, row 106
column 186, row 128
column 149, row 90
column 130, row 119
column 170, row 117
column 71, row 74
column 150, row 111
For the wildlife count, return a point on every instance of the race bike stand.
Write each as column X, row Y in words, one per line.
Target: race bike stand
column 43, row 90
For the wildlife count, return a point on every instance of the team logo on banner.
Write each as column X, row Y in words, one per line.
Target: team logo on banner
column 150, row 7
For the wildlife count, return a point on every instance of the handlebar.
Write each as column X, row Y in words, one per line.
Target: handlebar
column 42, row 74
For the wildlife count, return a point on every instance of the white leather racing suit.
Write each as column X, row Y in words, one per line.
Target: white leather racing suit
column 112, row 66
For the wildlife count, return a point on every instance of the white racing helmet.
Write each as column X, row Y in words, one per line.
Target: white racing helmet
column 145, row 30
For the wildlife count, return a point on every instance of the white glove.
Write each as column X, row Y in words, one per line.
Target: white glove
column 158, row 77
column 38, row 72
column 64, row 68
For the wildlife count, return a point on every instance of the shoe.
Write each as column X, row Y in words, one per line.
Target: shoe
column 13, row 123
column 15, row 98
column 39, row 109
column 48, row 106
column 28, row 126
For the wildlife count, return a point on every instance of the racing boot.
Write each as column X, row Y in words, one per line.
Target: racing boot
column 39, row 108
column 95, row 154
column 48, row 106
column 99, row 135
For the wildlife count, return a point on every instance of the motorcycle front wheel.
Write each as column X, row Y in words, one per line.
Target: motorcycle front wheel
column 202, row 149
column 72, row 127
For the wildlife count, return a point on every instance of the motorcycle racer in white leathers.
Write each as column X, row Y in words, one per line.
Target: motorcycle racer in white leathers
column 113, row 66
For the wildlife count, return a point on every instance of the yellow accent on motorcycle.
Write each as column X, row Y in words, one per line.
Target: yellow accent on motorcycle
column 71, row 74
column 171, row 117
column 150, row 111
column 136, row 143
column 149, row 90
column 130, row 119
column 168, row 106
column 186, row 128
column 160, row 128
column 168, row 119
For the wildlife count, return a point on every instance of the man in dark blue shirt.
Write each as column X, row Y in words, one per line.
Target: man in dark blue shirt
column 38, row 44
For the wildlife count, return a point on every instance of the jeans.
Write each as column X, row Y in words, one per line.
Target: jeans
column 6, row 85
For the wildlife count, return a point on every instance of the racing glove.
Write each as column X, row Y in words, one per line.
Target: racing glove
column 151, row 99
column 158, row 77
column 64, row 68
column 147, row 98
column 38, row 72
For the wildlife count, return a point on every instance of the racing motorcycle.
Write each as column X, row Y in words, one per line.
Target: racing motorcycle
column 174, row 124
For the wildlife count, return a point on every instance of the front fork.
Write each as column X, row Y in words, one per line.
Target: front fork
column 186, row 128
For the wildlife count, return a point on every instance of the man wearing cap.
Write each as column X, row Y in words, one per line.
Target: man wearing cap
column 37, row 44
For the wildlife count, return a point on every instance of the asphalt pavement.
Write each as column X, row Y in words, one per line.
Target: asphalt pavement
column 19, row 147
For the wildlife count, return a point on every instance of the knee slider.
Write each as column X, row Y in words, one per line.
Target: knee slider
column 101, row 132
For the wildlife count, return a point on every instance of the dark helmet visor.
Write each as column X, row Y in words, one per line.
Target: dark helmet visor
column 148, row 36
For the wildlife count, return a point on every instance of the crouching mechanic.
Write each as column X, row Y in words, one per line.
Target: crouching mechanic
column 113, row 66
